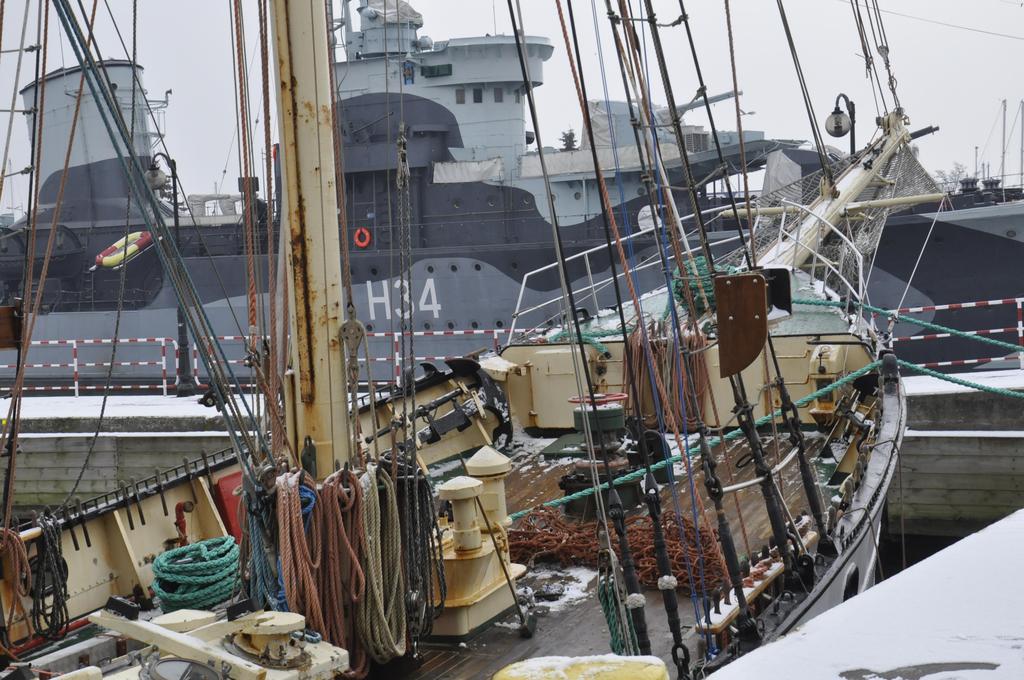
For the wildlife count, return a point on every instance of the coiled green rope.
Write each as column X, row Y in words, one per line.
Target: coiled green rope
column 196, row 576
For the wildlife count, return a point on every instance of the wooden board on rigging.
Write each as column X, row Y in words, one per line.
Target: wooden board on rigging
column 742, row 311
column 10, row 328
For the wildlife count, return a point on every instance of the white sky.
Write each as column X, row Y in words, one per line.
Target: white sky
column 950, row 77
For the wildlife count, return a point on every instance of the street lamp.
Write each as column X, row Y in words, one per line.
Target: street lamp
column 157, row 179
column 839, row 123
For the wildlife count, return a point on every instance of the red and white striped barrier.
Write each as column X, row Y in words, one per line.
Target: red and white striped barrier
column 1018, row 329
column 960, row 305
column 168, row 383
column 969, row 362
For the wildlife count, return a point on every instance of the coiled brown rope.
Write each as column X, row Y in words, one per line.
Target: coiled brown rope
column 343, row 582
column 300, row 554
column 14, row 554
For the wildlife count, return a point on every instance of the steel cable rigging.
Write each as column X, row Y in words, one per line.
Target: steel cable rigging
column 615, row 509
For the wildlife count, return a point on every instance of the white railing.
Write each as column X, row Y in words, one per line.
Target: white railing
column 593, row 288
column 794, row 240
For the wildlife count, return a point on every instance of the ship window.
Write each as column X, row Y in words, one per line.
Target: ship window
column 460, row 96
column 436, row 71
column 478, row 95
column 499, row 95
column 517, row 95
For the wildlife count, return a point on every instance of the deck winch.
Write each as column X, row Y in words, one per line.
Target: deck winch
column 604, row 417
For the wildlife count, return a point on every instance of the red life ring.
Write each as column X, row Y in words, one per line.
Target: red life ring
column 362, row 238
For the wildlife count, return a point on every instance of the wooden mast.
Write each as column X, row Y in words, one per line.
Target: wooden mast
column 315, row 388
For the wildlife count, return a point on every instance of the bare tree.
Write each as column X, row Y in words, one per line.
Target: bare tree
column 949, row 180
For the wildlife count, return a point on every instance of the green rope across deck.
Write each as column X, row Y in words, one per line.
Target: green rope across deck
column 735, row 434
column 712, row 441
column 1001, row 391
column 196, row 576
column 924, row 324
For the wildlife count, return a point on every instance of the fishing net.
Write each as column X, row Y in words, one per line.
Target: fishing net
column 545, row 535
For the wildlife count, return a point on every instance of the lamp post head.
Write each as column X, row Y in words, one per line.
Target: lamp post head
column 838, row 123
column 155, row 177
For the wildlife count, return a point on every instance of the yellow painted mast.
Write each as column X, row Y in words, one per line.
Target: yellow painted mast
column 315, row 387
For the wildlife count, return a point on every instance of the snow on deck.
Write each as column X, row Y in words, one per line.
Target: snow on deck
column 954, row 615
column 918, row 385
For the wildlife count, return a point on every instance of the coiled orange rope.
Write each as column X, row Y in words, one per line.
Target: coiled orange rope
column 300, row 555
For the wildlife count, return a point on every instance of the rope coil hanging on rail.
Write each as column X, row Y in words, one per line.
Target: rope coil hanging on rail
column 380, row 615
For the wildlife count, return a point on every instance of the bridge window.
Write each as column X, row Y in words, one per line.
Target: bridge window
column 499, row 95
column 436, row 71
column 460, row 96
column 478, row 95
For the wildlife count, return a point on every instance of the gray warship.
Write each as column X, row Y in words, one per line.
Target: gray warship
column 477, row 217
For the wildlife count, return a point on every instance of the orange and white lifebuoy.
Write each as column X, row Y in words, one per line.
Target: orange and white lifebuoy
column 124, row 249
column 362, row 238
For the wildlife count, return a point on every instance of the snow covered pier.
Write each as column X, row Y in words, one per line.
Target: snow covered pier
column 137, row 436
column 962, row 458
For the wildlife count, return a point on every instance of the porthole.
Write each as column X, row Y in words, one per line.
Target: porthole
column 477, row 266
column 455, row 267
column 526, row 200
column 369, row 328
column 426, row 326
column 490, row 201
column 1011, row 233
column 373, row 271
column 456, row 205
column 577, row 195
column 640, row 191
column 499, row 324
column 451, row 325
column 474, row 324
column 515, row 265
column 430, row 269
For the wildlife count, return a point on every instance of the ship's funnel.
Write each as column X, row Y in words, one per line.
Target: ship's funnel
column 96, row 186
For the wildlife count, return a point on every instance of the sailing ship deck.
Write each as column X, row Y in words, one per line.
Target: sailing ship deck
column 577, row 627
